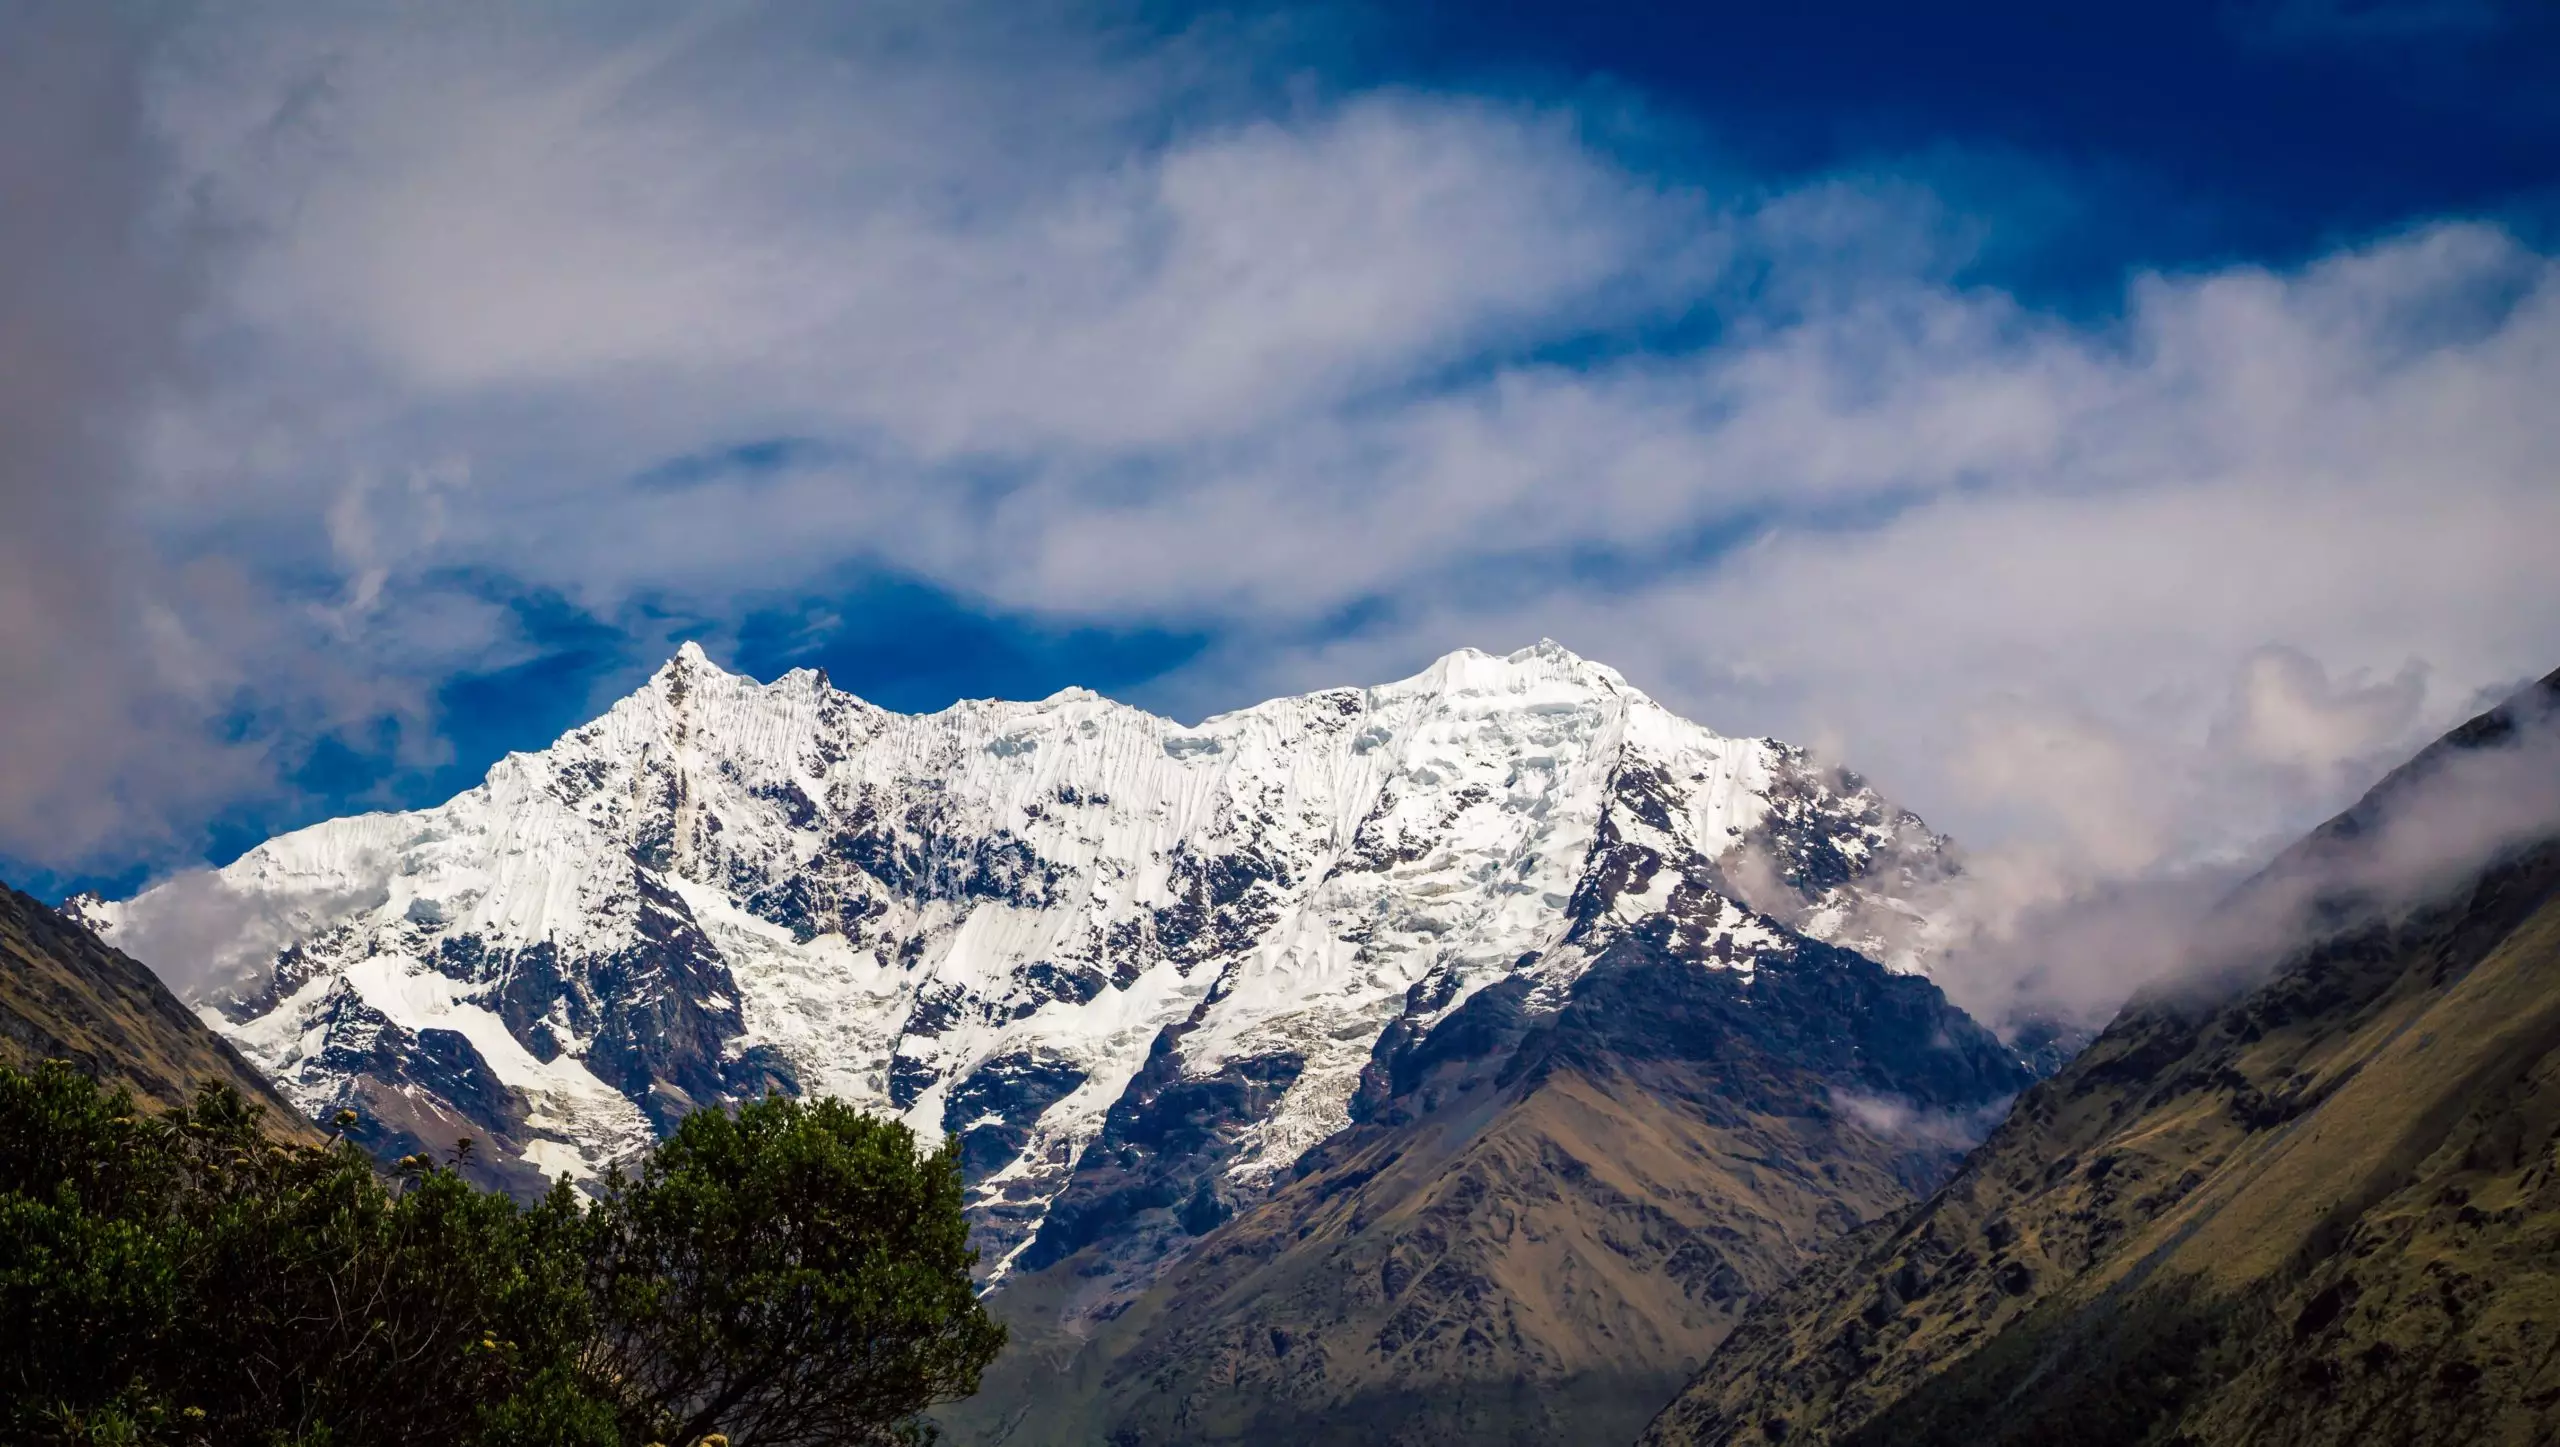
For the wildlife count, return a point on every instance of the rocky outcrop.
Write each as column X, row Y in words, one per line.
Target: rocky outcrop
column 1556, row 1200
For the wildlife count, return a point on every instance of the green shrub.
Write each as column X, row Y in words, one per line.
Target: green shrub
column 791, row 1274
column 782, row 1275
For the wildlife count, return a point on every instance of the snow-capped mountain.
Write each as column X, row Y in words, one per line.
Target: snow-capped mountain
column 1003, row 919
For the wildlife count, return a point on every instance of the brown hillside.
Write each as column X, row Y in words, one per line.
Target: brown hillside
column 2323, row 1211
column 1563, row 1215
column 66, row 995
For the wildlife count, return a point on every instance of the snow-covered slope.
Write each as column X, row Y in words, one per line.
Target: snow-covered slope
column 994, row 920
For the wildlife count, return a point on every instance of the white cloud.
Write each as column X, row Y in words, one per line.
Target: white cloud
column 2247, row 461
column 473, row 210
column 2287, row 711
column 1105, row 328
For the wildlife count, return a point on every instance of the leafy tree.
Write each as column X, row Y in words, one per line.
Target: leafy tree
column 791, row 1274
column 189, row 1279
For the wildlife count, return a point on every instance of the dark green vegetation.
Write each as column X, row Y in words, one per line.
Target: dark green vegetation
column 2316, row 1202
column 65, row 995
column 792, row 1274
column 789, row 1275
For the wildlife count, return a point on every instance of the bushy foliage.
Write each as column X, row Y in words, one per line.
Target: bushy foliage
column 782, row 1275
column 791, row 1275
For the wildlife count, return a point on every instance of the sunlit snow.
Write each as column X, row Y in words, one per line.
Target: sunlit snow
column 1430, row 830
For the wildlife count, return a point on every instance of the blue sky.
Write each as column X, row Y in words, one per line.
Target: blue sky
column 2113, row 427
column 2194, row 132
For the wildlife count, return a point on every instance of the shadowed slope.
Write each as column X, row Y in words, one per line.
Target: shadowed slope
column 1545, row 1222
column 2322, row 1210
column 65, row 995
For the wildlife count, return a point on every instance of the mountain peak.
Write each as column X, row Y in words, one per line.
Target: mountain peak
column 1465, row 670
column 988, row 919
column 687, row 665
column 1545, row 663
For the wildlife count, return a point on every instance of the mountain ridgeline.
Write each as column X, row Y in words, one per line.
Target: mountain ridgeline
column 1488, row 1057
column 2307, row 1197
column 1456, row 1055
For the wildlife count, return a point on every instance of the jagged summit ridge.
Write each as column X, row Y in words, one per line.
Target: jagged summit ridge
column 999, row 918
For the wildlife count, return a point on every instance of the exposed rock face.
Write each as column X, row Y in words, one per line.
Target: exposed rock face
column 2310, row 1198
column 1138, row 968
column 1453, row 1058
column 1556, row 1198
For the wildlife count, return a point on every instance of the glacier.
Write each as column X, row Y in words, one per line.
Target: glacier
column 995, row 920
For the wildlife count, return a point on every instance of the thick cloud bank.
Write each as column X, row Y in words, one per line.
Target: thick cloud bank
column 351, row 325
column 2072, row 954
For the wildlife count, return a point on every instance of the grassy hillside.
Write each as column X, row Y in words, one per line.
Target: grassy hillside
column 64, row 995
column 2323, row 1210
